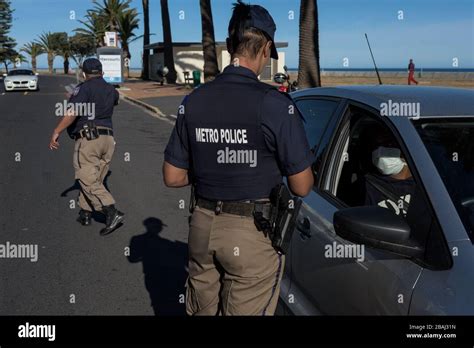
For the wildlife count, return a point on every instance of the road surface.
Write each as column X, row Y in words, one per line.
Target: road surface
column 78, row 272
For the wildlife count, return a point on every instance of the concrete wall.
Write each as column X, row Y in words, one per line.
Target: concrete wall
column 225, row 59
column 278, row 64
column 185, row 59
column 190, row 59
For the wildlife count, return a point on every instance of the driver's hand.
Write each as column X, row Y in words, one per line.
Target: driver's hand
column 54, row 144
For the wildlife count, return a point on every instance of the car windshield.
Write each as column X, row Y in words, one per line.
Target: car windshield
column 451, row 147
column 20, row 72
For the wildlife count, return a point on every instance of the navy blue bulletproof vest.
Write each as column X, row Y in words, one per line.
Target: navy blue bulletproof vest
column 229, row 158
column 102, row 95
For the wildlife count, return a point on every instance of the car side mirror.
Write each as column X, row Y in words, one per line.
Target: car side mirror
column 378, row 228
column 4, row 75
column 36, row 74
column 285, row 68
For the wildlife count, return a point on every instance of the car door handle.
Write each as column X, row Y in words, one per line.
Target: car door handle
column 304, row 227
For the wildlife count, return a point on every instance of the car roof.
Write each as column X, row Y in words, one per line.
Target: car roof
column 434, row 101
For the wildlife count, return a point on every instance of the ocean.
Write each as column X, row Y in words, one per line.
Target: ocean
column 451, row 70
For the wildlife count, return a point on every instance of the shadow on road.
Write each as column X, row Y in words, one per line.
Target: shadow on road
column 164, row 264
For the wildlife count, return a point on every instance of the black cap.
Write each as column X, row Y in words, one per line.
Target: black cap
column 261, row 19
column 92, row 66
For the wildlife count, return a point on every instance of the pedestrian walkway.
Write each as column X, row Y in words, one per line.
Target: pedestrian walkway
column 161, row 100
column 136, row 88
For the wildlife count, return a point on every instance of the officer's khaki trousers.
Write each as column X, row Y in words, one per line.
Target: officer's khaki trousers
column 91, row 163
column 233, row 268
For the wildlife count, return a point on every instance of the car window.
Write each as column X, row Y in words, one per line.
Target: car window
column 319, row 130
column 373, row 169
column 377, row 172
column 317, row 114
column 20, row 72
column 451, row 147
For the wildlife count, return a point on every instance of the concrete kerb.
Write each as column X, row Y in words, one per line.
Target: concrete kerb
column 155, row 110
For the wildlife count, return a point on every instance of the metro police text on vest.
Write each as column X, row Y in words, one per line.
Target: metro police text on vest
column 228, row 155
column 228, row 136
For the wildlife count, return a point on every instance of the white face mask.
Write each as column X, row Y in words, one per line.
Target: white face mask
column 387, row 160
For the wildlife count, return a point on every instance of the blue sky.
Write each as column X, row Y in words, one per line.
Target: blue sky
column 432, row 32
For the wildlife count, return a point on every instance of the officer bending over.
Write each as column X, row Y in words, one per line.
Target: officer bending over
column 89, row 122
column 236, row 137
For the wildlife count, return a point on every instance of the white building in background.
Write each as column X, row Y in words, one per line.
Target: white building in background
column 188, row 56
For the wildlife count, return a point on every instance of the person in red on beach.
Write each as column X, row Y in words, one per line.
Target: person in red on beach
column 411, row 72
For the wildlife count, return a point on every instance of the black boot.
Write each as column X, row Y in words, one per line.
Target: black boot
column 85, row 217
column 113, row 219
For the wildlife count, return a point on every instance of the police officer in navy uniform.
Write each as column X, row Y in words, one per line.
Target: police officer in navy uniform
column 89, row 122
column 235, row 138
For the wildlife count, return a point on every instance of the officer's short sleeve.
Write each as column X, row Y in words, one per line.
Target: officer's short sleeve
column 80, row 94
column 177, row 150
column 284, row 133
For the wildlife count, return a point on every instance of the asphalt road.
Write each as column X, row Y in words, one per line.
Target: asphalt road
column 79, row 272
column 167, row 105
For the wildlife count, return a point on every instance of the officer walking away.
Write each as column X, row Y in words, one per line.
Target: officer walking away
column 234, row 140
column 89, row 121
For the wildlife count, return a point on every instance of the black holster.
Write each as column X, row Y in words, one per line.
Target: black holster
column 280, row 222
column 90, row 130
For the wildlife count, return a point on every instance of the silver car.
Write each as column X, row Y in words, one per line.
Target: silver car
column 402, row 254
column 21, row 79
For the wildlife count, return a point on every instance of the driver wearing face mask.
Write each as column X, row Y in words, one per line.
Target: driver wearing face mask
column 391, row 184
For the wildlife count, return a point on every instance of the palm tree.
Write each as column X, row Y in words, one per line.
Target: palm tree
column 47, row 42
column 168, row 42
column 33, row 49
column 146, row 39
column 95, row 27
column 17, row 58
column 82, row 46
column 211, row 68
column 111, row 11
column 128, row 22
column 308, row 70
column 8, row 56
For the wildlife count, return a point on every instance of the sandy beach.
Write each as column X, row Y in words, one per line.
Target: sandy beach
column 329, row 79
column 463, row 80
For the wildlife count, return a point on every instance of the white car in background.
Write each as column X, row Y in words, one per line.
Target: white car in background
column 21, row 79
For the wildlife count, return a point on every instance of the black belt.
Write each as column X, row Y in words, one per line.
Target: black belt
column 235, row 208
column 101, row 131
